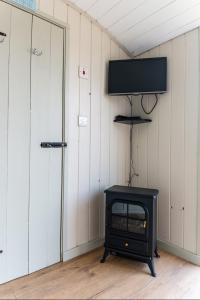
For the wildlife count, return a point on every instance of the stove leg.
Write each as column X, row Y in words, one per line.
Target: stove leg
column 151, row 267
column 106, row 254
column 156, row 253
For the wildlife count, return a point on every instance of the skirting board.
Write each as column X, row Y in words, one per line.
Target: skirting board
column 82, row 249
column 85, row 248
column 186, row 255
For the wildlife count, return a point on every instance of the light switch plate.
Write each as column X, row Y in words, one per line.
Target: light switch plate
column 83, row 72
column 82, row 121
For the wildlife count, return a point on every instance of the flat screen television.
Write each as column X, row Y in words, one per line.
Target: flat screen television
column 137, row 76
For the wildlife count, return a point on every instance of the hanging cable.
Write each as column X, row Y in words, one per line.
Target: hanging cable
column 154, row 106
column 132, row 171
column 130, row 100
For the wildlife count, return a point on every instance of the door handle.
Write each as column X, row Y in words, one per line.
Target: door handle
column 53, row 145
column 3, row 36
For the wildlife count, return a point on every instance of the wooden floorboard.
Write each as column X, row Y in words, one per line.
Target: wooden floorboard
column 118, row 278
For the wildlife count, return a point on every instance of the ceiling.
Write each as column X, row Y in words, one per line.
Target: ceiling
column 143, row 24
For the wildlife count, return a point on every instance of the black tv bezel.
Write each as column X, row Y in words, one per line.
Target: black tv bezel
column 137, row 93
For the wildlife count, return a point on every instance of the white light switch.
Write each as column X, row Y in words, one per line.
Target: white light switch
column 82, row 121
column 83, row 72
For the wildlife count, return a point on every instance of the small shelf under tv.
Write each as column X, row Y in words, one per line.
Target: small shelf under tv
column 131, row 120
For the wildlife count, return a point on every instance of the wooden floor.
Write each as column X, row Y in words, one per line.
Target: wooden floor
column 118, row 278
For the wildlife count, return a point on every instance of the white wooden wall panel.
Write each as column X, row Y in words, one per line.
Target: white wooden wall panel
column 95, row 137
column 123, row 144
column 164, row 112
column 142, row 146
column 84, row 134
column 142, row 156
column 5, row 12
column 198, row 173
column 72, row 112
column 18, row 144
column 176, row 136
column 114, row 127
column 177, row 140
column 153, row 128
column 60, row 11
column 191, row 139
column 125, row 135
column 136, row 156
column 123, row 149
column 135, row 180
column 86, row 4
column 105, row 130
column 119, row 133
column 47, row 6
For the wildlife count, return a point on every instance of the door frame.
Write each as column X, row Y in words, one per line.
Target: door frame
column 65, row 29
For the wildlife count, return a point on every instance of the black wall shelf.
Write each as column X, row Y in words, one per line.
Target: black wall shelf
column 131, row 120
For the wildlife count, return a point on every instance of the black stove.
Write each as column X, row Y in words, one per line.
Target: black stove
column 131, row 224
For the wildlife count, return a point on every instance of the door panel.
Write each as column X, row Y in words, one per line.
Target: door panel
column 15, row 140
column 30, row 113
column 5, row 11
column 18, row 144
column 55, row 134
column 45, row 164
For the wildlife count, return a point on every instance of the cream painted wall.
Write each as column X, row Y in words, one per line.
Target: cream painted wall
column 166, row 151
column 97, row 155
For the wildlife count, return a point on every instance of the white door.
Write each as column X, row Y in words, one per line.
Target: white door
column 5, row 13
column 30, row 113
column 45, row 163
column 14, row 140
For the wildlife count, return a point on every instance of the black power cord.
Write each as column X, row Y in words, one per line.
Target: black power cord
column 132, row 171
column 154, row 106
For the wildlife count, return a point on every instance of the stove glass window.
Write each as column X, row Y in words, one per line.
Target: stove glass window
column 128, row 217
column 136, row 212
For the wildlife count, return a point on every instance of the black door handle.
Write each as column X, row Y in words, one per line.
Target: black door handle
column 53, row 145
column 2, row 34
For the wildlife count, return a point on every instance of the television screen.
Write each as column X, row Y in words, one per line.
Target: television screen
column 137, row 76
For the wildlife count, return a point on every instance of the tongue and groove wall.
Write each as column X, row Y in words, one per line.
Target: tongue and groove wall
column 97, row 155
column 166, row 152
